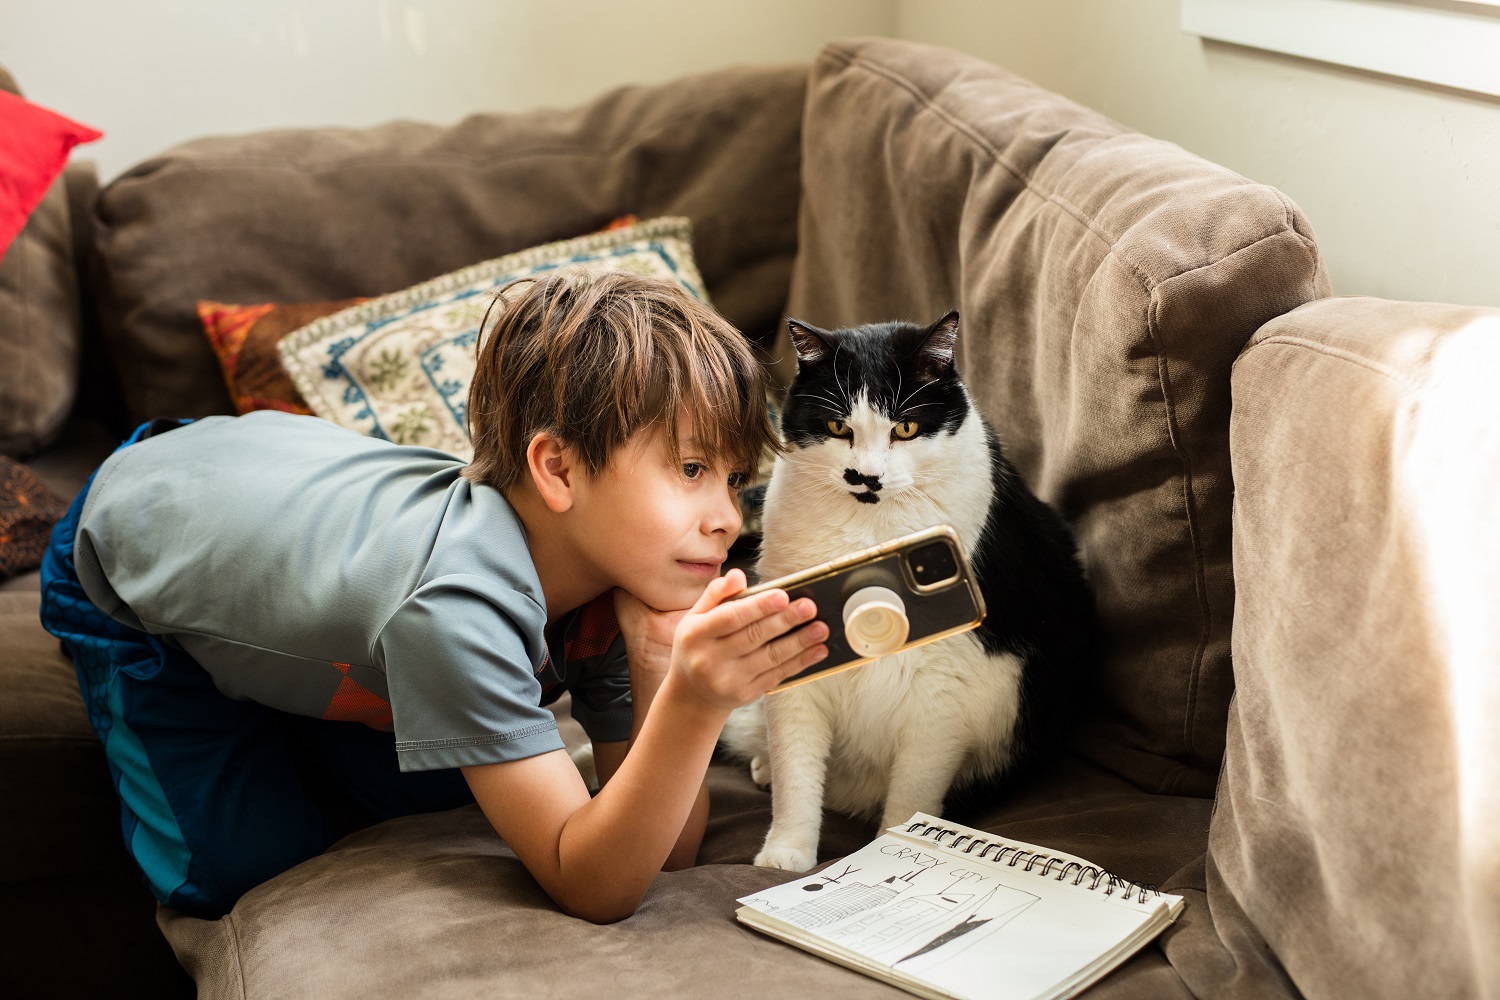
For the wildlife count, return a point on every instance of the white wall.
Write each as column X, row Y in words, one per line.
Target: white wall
column 1400, row 180
column 150, row 73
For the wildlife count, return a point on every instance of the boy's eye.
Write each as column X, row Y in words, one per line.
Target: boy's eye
column 738, row 480
column 839, row 429
column 692, row 470
column 905, row 430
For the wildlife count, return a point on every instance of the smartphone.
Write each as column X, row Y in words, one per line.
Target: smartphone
column 892, row 597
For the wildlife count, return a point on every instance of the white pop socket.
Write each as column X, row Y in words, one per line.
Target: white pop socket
column 875, row 621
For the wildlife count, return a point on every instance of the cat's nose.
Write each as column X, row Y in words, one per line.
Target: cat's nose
column 856, row 478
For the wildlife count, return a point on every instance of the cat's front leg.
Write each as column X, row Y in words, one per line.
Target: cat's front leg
column 799, row 739
column 926, row 763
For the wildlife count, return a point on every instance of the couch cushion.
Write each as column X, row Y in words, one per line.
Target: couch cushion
column 40, row 324
column 52, row 768
column 446, row 910
column 335, row 213
column 1357, row 821
column 1106, row 282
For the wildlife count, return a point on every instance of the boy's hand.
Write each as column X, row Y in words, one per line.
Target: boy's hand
column 727, row 653
column 648, row 633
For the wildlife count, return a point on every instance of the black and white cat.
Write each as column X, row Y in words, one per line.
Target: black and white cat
column 883, row 440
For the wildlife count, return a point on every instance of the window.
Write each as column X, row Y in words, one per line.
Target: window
column 1453, row 43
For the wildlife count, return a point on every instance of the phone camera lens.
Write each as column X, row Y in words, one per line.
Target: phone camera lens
column 933, row 564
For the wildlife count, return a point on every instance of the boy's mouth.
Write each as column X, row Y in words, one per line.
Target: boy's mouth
column 706, row 569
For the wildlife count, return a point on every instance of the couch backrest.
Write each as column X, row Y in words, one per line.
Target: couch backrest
column 40, row 325
column 1107, row 281
column 321, row 214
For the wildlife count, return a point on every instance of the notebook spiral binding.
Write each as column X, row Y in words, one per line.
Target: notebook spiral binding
column 1097, row 876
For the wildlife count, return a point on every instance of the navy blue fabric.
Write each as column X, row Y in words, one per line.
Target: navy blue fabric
column 217, row 795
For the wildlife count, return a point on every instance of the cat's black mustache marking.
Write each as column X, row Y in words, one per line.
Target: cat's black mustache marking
column 853, row 478
column 866, row 497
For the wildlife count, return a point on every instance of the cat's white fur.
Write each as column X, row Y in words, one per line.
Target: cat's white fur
column 897, row 732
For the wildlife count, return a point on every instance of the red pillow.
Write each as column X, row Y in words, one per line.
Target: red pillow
column 34, row 146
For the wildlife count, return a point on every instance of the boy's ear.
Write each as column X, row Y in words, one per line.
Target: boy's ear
column 552, row 470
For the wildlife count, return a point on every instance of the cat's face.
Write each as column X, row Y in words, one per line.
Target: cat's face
column 873, row 409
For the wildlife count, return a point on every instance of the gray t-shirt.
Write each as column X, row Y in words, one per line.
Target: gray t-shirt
column 321, row 572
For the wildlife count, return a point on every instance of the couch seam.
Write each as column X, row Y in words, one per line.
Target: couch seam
column 1339, row 353
column 1078, row 215
column 239, row 960
column 22, row 738
column 1189, row 509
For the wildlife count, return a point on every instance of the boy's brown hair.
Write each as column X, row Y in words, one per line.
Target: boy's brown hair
column 595, row 357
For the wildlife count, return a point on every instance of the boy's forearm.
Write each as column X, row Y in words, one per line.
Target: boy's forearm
column 644, row 685
column 612, row 848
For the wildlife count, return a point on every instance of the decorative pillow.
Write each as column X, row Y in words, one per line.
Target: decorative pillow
column 399, row 366
column 244, row 339
column 28, row 510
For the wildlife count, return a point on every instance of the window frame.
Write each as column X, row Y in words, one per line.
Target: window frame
column 1451, row 43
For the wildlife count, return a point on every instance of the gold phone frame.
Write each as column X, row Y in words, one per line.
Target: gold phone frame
column 873, row 554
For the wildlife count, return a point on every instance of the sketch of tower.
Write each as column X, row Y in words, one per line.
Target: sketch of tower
column 844, row 901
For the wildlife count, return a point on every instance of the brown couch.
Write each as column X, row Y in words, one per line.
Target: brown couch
column 1278, row 509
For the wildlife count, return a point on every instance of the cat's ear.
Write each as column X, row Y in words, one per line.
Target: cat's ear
column 940, row 338
column 811, row 343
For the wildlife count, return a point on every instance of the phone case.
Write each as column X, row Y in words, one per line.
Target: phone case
column 931, row 612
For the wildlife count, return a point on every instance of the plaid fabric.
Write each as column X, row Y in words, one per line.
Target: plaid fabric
column 28, row 510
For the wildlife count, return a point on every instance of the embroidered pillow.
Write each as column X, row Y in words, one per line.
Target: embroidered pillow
column 399, row 366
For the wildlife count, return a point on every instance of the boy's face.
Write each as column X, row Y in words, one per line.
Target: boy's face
column 659, row 528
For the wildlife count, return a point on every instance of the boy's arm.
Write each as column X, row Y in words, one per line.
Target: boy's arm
column 609, row 756
column 649, row 636
column 597, row 856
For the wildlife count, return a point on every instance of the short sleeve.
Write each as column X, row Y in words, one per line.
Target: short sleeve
column 459, row 665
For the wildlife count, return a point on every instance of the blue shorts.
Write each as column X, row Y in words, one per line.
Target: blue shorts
column 217, row 795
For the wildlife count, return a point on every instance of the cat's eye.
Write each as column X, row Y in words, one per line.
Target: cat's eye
column 905, row 430
column 839, row 429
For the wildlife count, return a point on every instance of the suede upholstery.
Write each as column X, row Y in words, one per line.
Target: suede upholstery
column 308, row 215
column 1366, row 444
column 40, row 324
column 1106, row 282
column 1291, row 540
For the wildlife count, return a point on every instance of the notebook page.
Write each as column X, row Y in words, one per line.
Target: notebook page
column 972, row 927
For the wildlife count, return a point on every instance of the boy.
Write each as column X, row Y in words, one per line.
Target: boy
column 240, row 594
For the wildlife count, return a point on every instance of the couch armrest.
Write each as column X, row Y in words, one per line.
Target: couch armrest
column 1358, row 818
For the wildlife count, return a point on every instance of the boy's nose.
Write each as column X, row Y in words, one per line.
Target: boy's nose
column 725, row 516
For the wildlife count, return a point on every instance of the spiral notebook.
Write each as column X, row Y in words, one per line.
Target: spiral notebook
column 943, row 910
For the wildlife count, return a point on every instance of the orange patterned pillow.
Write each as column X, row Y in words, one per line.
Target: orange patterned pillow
column 244, row 338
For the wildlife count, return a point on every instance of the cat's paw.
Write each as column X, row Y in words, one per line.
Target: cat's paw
column 760, row 771
column 786, row 858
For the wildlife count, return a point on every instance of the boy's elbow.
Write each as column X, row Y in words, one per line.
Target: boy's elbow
column 597, row 910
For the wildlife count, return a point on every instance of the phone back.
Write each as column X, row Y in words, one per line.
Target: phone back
column 932, row 611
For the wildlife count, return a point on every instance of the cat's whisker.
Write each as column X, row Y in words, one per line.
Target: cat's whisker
column 918, row 389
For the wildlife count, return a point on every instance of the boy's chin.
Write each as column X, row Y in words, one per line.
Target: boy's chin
column 665, row 597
